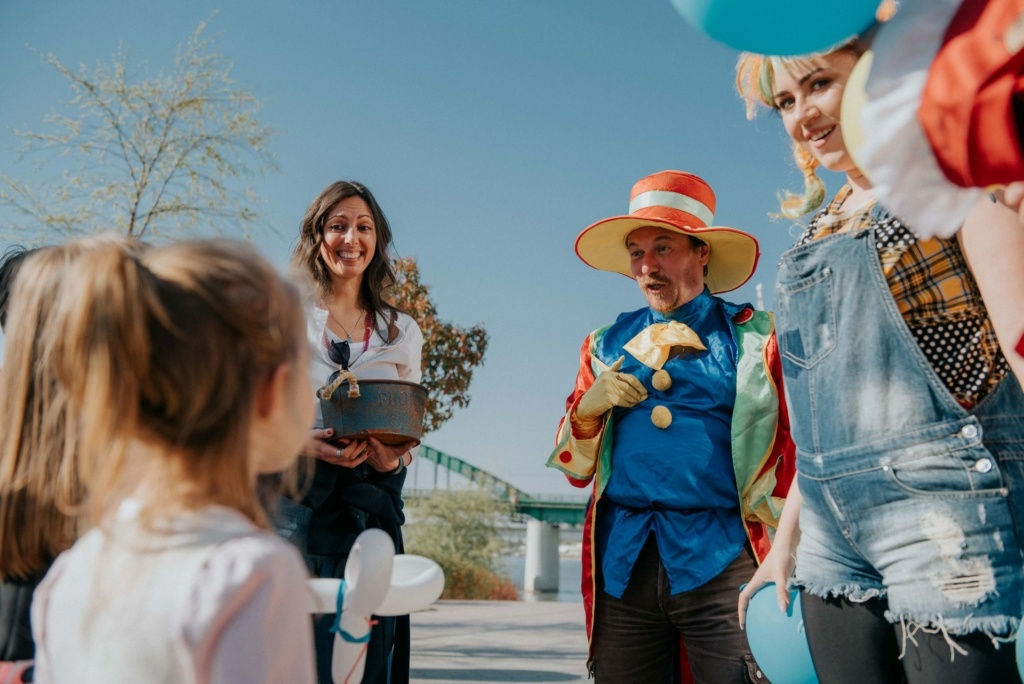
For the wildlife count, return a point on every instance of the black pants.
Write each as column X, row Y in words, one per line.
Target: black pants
column 636, row 638
column 853, row 643
column 385, row 661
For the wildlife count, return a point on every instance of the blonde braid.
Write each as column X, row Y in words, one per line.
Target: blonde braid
column 794, row 206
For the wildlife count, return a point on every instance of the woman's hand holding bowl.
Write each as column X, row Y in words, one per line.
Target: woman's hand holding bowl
column 346, row 452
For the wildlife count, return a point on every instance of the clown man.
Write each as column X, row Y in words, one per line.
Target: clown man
column 677, row 419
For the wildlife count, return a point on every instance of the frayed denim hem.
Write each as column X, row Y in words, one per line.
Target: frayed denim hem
column 1000, row 629
column 851, row 592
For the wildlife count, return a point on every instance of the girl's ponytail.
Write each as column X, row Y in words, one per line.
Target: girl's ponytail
column 164, row 353
column 100, row 346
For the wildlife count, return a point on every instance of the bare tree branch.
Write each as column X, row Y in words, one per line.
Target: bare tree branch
column 148, row 156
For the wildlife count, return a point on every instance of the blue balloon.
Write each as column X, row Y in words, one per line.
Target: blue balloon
column 780, row 27
column 777, row 639
column 1020, row 655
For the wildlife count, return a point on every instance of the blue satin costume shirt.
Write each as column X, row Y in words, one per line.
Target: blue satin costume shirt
column 676, row 482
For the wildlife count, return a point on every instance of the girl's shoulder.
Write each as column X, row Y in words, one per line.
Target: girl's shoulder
column 211, row 582
column 245, row 582
column 244, row 561
column 237, row 542
column 239, row 567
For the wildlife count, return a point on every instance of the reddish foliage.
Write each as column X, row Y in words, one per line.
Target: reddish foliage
column 474, row 582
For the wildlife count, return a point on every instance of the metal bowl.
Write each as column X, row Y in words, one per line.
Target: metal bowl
column 389, row 410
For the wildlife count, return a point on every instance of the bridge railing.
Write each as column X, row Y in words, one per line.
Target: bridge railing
column 551, row 509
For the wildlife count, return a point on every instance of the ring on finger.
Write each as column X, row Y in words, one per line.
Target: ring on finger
column 337, row 453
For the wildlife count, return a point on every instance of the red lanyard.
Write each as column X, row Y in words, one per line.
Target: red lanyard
column 366, row 334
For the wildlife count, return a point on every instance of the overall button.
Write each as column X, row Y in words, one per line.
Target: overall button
column 969, row 431
column 983, row 465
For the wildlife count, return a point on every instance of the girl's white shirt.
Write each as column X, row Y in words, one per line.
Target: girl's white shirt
column 397, row 360
column 204, row 597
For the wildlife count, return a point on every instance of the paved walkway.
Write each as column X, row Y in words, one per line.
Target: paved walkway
column 499, row 641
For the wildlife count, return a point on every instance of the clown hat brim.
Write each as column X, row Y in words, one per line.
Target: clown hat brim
column 733, row 258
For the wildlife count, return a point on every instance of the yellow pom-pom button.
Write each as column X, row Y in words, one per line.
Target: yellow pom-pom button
column 661, row 417
column 661, row 380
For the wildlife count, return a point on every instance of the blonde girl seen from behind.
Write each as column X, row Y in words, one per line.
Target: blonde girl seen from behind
column 186, row 369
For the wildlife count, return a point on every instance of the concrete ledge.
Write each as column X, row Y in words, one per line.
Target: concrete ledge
column 499, row 641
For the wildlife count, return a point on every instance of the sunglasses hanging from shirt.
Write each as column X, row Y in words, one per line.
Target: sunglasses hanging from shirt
column 341, row 351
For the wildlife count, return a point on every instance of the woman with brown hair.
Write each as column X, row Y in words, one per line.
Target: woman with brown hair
column 40, row 487
column 343, row 249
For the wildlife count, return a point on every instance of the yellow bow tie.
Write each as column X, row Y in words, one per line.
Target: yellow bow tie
column 661, row 341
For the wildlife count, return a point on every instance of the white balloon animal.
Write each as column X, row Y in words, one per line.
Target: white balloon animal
column 377, row 582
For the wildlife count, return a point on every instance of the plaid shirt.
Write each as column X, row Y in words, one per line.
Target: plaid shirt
column 936, row 294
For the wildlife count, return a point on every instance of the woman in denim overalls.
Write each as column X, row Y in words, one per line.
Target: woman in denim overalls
column 908, row 424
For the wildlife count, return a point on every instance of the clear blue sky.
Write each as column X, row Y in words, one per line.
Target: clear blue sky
column 491, row 132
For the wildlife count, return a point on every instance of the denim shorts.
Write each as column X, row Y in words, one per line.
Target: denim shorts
column 930, row 527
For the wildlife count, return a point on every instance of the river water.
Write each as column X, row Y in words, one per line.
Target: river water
column 569, row 573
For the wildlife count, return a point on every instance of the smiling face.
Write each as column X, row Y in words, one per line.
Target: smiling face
column 808, row 94
column 668, row 266
column 349, row 239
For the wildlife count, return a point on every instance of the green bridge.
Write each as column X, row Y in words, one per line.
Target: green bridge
column 549, row 509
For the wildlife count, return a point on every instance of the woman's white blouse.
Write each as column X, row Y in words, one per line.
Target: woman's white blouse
column 398, row 360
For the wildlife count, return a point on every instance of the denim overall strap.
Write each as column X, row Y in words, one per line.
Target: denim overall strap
column 854, row 375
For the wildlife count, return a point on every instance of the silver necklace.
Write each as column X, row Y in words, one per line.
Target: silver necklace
column 348, row 335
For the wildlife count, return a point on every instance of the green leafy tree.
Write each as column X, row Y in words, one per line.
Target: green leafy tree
column 146, row 156
column 450, row 353
column 460, row 530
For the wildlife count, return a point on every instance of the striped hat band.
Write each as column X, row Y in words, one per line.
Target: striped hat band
column 671, row 206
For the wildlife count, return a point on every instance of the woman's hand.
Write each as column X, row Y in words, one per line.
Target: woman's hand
column 777, row 567
column 316, row 446
column 347, row 452
column 384, row 458
column 778, row 564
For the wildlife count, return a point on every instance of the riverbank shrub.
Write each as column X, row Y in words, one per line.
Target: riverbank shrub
column 460, row 530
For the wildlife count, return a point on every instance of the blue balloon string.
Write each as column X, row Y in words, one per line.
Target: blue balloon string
column 336, row 627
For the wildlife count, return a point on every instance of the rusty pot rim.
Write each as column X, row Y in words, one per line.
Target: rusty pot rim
column 378, row 381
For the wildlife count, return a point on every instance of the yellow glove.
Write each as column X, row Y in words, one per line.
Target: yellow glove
column 610, row 389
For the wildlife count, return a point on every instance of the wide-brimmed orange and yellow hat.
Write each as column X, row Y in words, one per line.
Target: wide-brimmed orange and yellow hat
column 683, row 203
